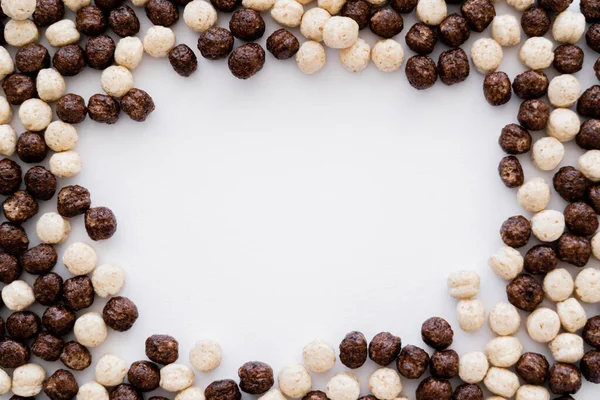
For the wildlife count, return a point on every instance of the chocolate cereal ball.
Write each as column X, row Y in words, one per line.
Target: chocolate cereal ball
column 162, row 12
column 468, row 392
column 13, row 354
column 570, row 184
column 19, row 207
column 525, row 292
column 10, row 176
column 58, row 320
column 246, row 60
column 511, row 172
column 13, row 239
column 282, row 44
column 535, row 21
column 76, row 356
column 257, row 378
column 568, row 58
column 319, row 395
column 225, row 389
column 592, row 37
column 454, row 31
column 412, row 362
column 48, row 12
column 247, row 24
column 40, row 183
column 444, row 364
column 533, row 114
column 353, row 350
column 386, row 23
column 588, row 137
column 32, row 58
column 581, row 219
column 144, row 376
column 69, row 60
column 496, row 88
column 515, row 231
column 225, row 5
column 40, row 259
column 47, row 346
column 590, row 9
column 61, row 385
column 215, row 43
column 453, row 66
column 100, row 223
column 575, row 250
column 120, row 313
column 100, row 52
column 384, row 348
column 421, row 72
column 437, row 333
column 10, row 269
column 591, row 332
column 78, row 293
column 123, row 21
column 359, row 11
column 71, row 109
column 434, row 389
column 555, row 5
column 18, row 88
column 103, row 109
column 533, row 368
column 531, row 84
column 588, row 104
column 138, row 105
column 404, row 6
column 23, row 325
column 107, row 5
column 126, row 392
column 31, row 147
column 162, row 349
column 47, row 289
column 514, row 139
column 564, row 379
column 73, row 200
column 540, row 260
column 593, row 197
column 91, row 21
column 183, row 60
column 590, row 366
column 421, row 39
column 478, row 14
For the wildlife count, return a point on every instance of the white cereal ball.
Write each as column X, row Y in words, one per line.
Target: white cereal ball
column 531, row 392
column 158, row 41
column 568, row 27
column 385, row 384
column 502, row 382
column 587, row 285
column 463, row 284
column 547, row 153
column 310, row 57
column 357, row 57
column 567, row 348
column 504, row 319
column 66, row 164
column 258, row 5
column 205, row 356
column 313, row 22
column 506, row 30
column 287, row 13
column 21, row 33
column 110, row 370
column 388, row 55
column 90, row 329
column 273, row 394
column 564, row 91
column 52, row 228
column 520, row 5
column 471, row 314
column 5, row 382
column 534, row 194
column 28, row 379
column 589, row 165
column 191, row 393
column 129, row 52
column 537, row 53
column 7, row 67
column 548, row 225
column 8, row 140
column 18, row 9
column 139, row 3
column 507, row 263
column 432, row 12
column 596, row 245
column 5, row 108
column 504, row 351
column 76, row 5
column 17, row 296
column 80, row 258
column 377, row 3
column 116, row 81
column 563, row 124
column 473, row 367
column 92, row 391
column 50, row 85
column 199, row 15
column 340, row 32
column 486, row 55
column 35, row 115
column 343, row 386
column 331, row 6
column 558, row 284
column 543, row 325
column 62, row 33
column 60, row 136
column 572, row 315
column 108, row 280
column 318, row 356
column 176, row 377
column 294, row 381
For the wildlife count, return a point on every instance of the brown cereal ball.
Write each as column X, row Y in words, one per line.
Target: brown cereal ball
column 514, row 139
column 437, row 333
column 575, row 250
column 39, row 259
column 183, row 60
column 225, row 389
column 144, row 376
column 215, row 43
column 533, row 368
column 478, row 14
column 434, row 389
column 31, row 147
column 359, row 11
column 125, row 391
column 18, row 88
column 570, row 183
column 246, row 60
column 588, row 137
column 226, row 5
column 468, row 392
column 13, row 239
column 593, row 197
column 103, row 109
column 525, row 292
column 100, row 223
column 100, row 52
column 555, row 5
column 597, row 68
column 162, row 12
column 421, row 72
column 412, row 362
column 384, row 348
column 591, row 332
column 453, row 66
column 69, row 60
column 515, row 231
column 120, row 313
column 61, row 385
column 511, row 172
column 444, row 364
column 19, row 207
column 353, row 350
column 40, row 183
column 32, row 58
column 257, row 378
column 47, row 346
column 91, row 21
column 282, row 44
column 58, row 320
column 138, row 105
column 76, row 356
column 10, row 269
column 421, row 39
column 535, row 21
column 48, row 12
column 590, row 366
column 454, row 30
column 23, row 325
column 317, row 395
column 247, row 24
column 73, row 200
column 10, row 176
column 13, row 354
column 568, row 58
column 404, row 6
column 123, row 21
column 588, row 104
column 533, row 114
column 496, row 88
column 564, row 379
column 386, row 23
column 581, row 219
column 47, row 289
column 78, row 293
column 107, row 5
column 540, row 260
column 590, row 9
column 71, row 109
column 531, row 84
column 162, row 349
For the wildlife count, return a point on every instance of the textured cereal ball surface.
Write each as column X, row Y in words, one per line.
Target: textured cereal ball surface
column 124, row 22
column 8, row 140
column 531, row 84
column 158, row 40
column 543, row 325
column 125, row 391
column 385, row 383
column 547, row 153
column 525, row 292
column 28, row 380
column 71, row 109
column 17, row 296
column 384, row 348
column 5, row 382
column 258, row 5
column 100, row 51
column 318, row 356
column 473, row 367
column 537, row 53
column 61, row 385
column 110, row 370
column 23, row 325
column 564, row 91
column 313, row 22
column 10, row 269
column 501, row 382
column 183, row 60
column 587, row 285
column 66, row 164
column 453, row 66
column 358, row 10
column 247, row 25
column 91, row 21
column 311, row 57
column 504, row 351
column 515, row 231
column 431, row 12
column 581, row 219
column 199, row 15
column 454, row 31
column 294, row 381
column 388, row 55
column 246, row 60
column 412, row 362
column 129, row 52
column 533, row 114
column 567, row 347
column 568, row 59
column 534, row 195
column 92, row 391
column 535, row 21
column 463, row 284
column 215, row 43
column 282, row 44
column 506, row 30
column 547, row 226
column 287, row 13
column 47, row 289
column 340, row 32
column 100, row 223
column 431, row 388
column 35, row 115
column 421, row 72
column 437, row 333
column 497, row 88
column 162, row 349
column 444, row 364
column 176, row 377
column 343, row 386
column 18, row 9
column 144, row 376
column 69, row 60
column 32, row 58
column 20, row 207
column 486, row 55
column 533, row 368
column 564, row 379
column 257, row 377
column 507, row 262
column 20, row 33
column 116, row 81
column 331, row 6
column 478, row 13
column 162, row 12
column 108, row 280
column 13, row 353
column 471, row 314
column 120, row 313
column 563, row 124
column 78, row 293
column 353, row 350
column 50, row 85
column 62, row 33
column 137, row 104
column 568, row 27
column 58, row 320
column 421, row 39
column 103, row 109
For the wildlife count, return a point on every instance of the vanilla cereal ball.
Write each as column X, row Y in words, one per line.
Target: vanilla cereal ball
column 534, row 194
column 116, row 81
column 343, row 386
column 50, row 85
column 507, row 263
column 318, row 356
column 432, row 12
column 589, row 165
column 543, row 325
column 331, row 6
column 537, row 53
column 463, row 284
column 377, row 3
column 272, row 394
column 35, row 115
column 28, row 379
column 21, row 33
column 357, row 57
column 313, row 22
column 572, row 315
column 60, row 136
column 388, row 55
column 205, row 356
column 294, row 381
column 486, row 55
column 587, row 285
column 547, row 153
column 52, row 228
column 548, row 225
column 596, row 245
column 199, row 15
column 504, row 319
column 92, row 391
column 17, row 296
column 191, row 393
column 504, row 351
column 502, row 382
column 473, row 366
column 8, row 140
column 129, row 52
column 340, row 32
column 7, row 67
column 5, row 382
column 558, row 284
column 531, row 392
column 158, row 41
column 18, row 9
column 110, row 370
column 563, row 124
column 90, row 329
column 568, row 27
column 176, row 377
column 80, row 258
column 287, row 13
column 564, row 91
column 139, row 3
column 66, row 164
column 5, row 108
column 76, row 5
column 108, row 280
column 62, row 33
column 385, row 384
column 471, row 314
column 258, row 5
column 310, row 57
column 506, row 30
column 567, row 348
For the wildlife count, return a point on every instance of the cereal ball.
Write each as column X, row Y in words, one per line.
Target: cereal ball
column 50, row 85
column 471, row 314
column 23, row 325
column 568, row 59
column 467, row 392
column 564, row 91
column 103, row 109
column 453, row 66
column 384, row 383
column 543, row 325
column 386, row 23
column 71, row 109
column 273, row 394
column 200, row 15
column 116, row 81
column 331, row 6
column 589, row 165
column 258, row 5
column 558, row 285
column 588, row 104
column 7, row 65
column 431, row 12
column 432, row 388
column 18, row 9
column 47, row 289
column 225, row 389
column 158, row 40
column 13, row 353
column 91, row 21
column 137, row 104
column 20, row 33
column 507, row 262
column 5, row 382
column 32, row 58
column 353, row 350
column 454, row 31
column 125, row 391
column 176, row 377
column 596, row 245
column 567, row 347
column 28, row 378
column 80, row 258
column 310, row 57
column 294, row 381
column 541, row 259
column 473, row 367
column 548, row 225
column 66, row 164
column 90, row 329
column 506, row 30
column 547, row 153
column 19, row 207
column 569, row 182
column 533, row 114
column 535, row 21
column 587, row 285
column 129, row 52
column 530, row 392
column 215, row 43
column 60, row 136
column 247, row 24
column 524, row 292
column 10, row 270
column 533, row 368
column 100, row 223
column 388, row 55
column 537, row 53
column 76, row 5
column 318, row 356
column 593, row 196
column 287, row 13
column 581, row 219
column 40, row 259
column 17, row 296
column 13, row 239
column 565, row 379
column 110, row 370
column 515, row 231
column 486, row 55
column 246, row 60
column 422, row 39
column 313, row 22
column 444, row 364
column 555, row 5
column 191, row 393
column 100, row 51
column 124, row 22
column 62, row 33
column 5, row 111
column 534, row 195
column 590, row 10
column 478, row 13
column 504, row 319
column 144, row 376
column 384, row 348
column 530, row 84
column 412, row 362
column 35, row 115
column 256, row 377
column 78, row 293
column 358, row 10
column 92, row 391
column 590, row 366
column 421, row 72
column 568, row 27
column 162, row 12
column 502, row 382
column 463, row 284
column 563, row 124
column 496, row 88
column 316, row 395
column 282, row 44
column 514, row 139
column 108, row 280
column 8, row 140
column 588, row 137
column 58, row 320
column 344, row 386
column 504, row 351
column 205, row 356
column 120, row 313
column 437, row 333
column 339, row 32
column 69, row 60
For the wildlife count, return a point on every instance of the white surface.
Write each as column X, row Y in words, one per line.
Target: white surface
column 271, row 212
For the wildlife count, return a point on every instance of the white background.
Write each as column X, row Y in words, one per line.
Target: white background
column 270, row 212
